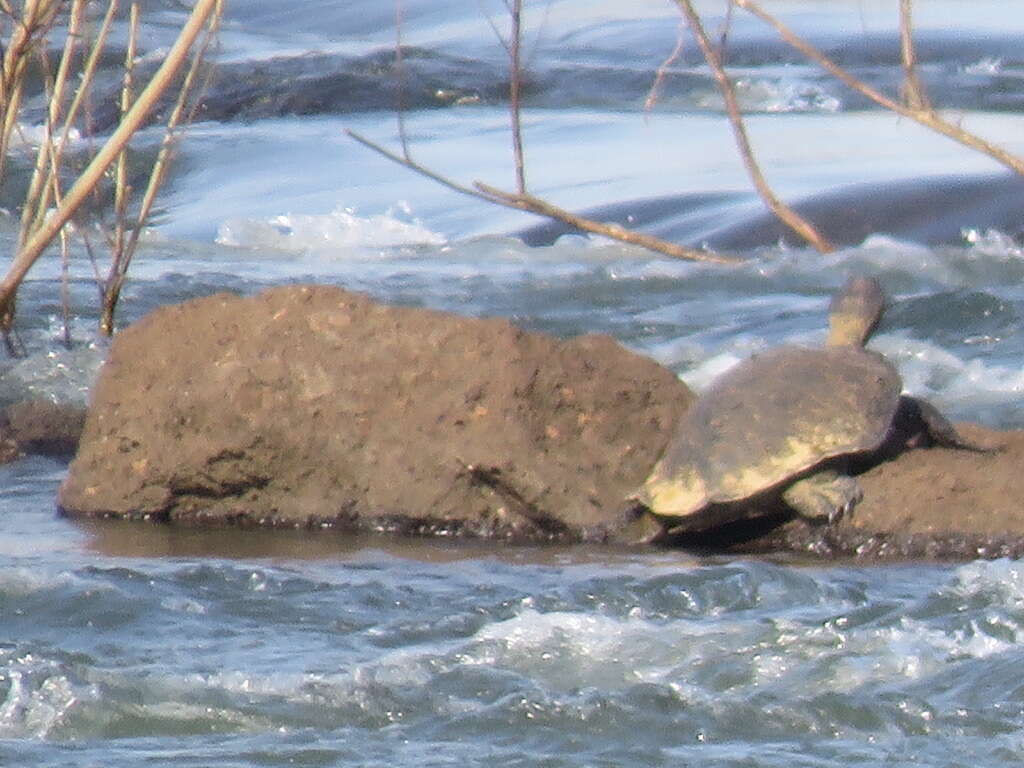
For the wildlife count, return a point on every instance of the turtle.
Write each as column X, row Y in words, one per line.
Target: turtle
column 783, row 429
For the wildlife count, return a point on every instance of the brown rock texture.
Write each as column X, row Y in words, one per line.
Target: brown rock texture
column 937, row 502
column 310, row 405
column 44, row 427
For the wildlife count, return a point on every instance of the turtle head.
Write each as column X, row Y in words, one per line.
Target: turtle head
column 855, row 312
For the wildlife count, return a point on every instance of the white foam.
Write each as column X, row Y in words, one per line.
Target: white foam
column 22, row 581
column 930, row 371
column 771, row 95
column 739, row 349
column 329, row 233
column 996, row 579
column 989, row 65
column 992, row 243
column 33, row 135
column 39, row 696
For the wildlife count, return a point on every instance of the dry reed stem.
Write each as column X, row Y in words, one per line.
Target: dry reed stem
column 914, row 94
column 513, row 48
column 400, row 80
column 926, row 117
column 122, row 259
column 40, row 204
column 37, row 17
column 531, row 204
column 122, row 191
column 88, row 73
column 515, row 92
column 787, row 215
column 92, row 174
column 36, row 197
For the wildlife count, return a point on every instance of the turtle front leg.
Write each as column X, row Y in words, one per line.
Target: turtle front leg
column 823, row 495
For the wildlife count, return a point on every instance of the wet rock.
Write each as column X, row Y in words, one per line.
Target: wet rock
column 309, row 406
column 8, row 447
column 45, row 427
column 933, row 503
column 39, row 426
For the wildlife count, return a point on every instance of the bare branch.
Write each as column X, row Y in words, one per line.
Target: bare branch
column 515, row 92
column 925, row 117
column 122, row 258
column 914, row 94
column 654, row 93
column 412, row 165
column 400, row 79
column 494, row 27
column 36, row 199
column 531, row 204
column 526, row 202
column 43, row 236
column 122, row 190
column 786, row 214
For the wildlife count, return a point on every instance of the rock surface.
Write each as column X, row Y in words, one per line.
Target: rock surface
column 44, row 427
column 937, row 502
column 308, row 406
column 39, row 426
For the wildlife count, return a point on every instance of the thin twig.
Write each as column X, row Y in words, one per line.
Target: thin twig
column 526, row 202
column 494, row 27
column 122, row 190
column 400, row 79
column 84, row 85
column 661, row 74
column 535, row 205
column 87, row 181
column 412, row 165
column 914, row 94
column 158, row 173
column 37, row 17
column 515, row 92
column 36, row 198
column 787, row 215
column 925, row 117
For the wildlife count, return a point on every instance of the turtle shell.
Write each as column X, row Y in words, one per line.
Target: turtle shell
column 772, row 419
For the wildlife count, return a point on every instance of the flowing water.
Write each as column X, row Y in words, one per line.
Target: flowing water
column 127, row 645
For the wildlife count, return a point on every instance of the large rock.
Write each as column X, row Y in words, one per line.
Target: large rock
column 310, row 405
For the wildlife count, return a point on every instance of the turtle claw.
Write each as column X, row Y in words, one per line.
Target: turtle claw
column 824, row 496
column 838, row 513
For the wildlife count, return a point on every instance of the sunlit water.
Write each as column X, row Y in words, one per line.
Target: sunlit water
column 127, row 645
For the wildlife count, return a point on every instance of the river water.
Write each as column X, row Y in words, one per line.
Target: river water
column 128, row 645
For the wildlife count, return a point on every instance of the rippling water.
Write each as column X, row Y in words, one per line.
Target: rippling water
column 140, row 645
